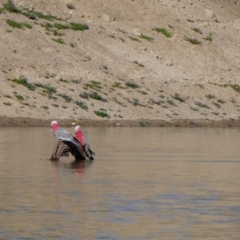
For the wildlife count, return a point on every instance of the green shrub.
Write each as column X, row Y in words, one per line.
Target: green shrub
column 48, row 17
column 23, row 81
column 208, row 38
column 60, row 26
column 150, row 39
column 64, row 96
column 96, row 96
column 14, row 24
column 82, row 105
column 136, row 102
column 47, row 25
column 59, row 40
column 19, row 97
column 139, row 64
column 197, row 30
column 2, row 10
column 27, row 25
column 45, row 107
column 235, row 87
column 178, row 97
column 193, row 40
column 11, row 7
column 202, row 105
column 117, row 85
column 102, row 114
column 132, row 85
column 7, row 103
column 209, row 96
column 78, row 26
column 7, row 96
column 48, row 89
column 135, row 39
column 19, row 25
column 163, row 31
column 171, row 102
column 94, row 85
column 84, row 95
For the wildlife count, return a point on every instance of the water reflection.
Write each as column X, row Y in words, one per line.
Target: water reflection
column 184, row 185
column 77, row 166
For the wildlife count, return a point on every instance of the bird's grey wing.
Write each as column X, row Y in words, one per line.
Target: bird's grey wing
column 88, row 145
column 63, row 135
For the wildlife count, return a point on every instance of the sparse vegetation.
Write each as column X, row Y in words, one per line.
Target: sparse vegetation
column 23, row 81
column 171, row 102
column 11, row 7
column 60, row 26
column 45, row 107
column 66, row 97
column 210, row 96
column 163, row 31
column 19, row 97
column 208, row 38
column 202, row 105
column 102, row 114
column 14, row 24
column 48, row 17
column 47, row 88
column 7, row 103
column 135, row 39
column 82, row 105
column 178, row 97
column 58, row 40
column 150, row 39
column 117, row 85
column 7, row 96
column 235, row 87
column 197, row 30
column 132, row 85
column 217, row 105
column 78, row 26
column 84, row 95
column 96, row 96
column 193, row 40
column 93, row 85
column 139, row 64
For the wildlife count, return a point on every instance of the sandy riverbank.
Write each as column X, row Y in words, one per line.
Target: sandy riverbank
column 33, row 122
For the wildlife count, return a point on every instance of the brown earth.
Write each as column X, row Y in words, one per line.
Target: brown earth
column 120, row 66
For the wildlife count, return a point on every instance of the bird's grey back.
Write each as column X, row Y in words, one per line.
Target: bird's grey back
column 63, row 134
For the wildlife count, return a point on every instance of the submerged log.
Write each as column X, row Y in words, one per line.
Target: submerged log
column 63, row 148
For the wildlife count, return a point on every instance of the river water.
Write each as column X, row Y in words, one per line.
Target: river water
column 145, row 183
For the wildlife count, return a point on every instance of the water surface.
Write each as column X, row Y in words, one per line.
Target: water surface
column 146, row 183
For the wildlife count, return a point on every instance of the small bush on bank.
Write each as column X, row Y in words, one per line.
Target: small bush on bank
column 145, row 37
column 132, row 85
column 165, row 32
column 193, row 40
column 78, row 26
column 102, row 114
column 23, row 81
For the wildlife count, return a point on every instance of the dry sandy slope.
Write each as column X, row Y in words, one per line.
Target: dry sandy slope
column 202, row 76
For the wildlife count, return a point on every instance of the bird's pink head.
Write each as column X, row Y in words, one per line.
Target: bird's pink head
column 54, row 125
column 77, row 128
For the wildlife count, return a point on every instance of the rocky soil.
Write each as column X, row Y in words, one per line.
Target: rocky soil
column 134, row 62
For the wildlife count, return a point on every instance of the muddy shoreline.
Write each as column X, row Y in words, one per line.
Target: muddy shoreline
column 33, row 122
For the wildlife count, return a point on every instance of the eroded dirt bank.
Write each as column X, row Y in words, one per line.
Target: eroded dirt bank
column 33, row 122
